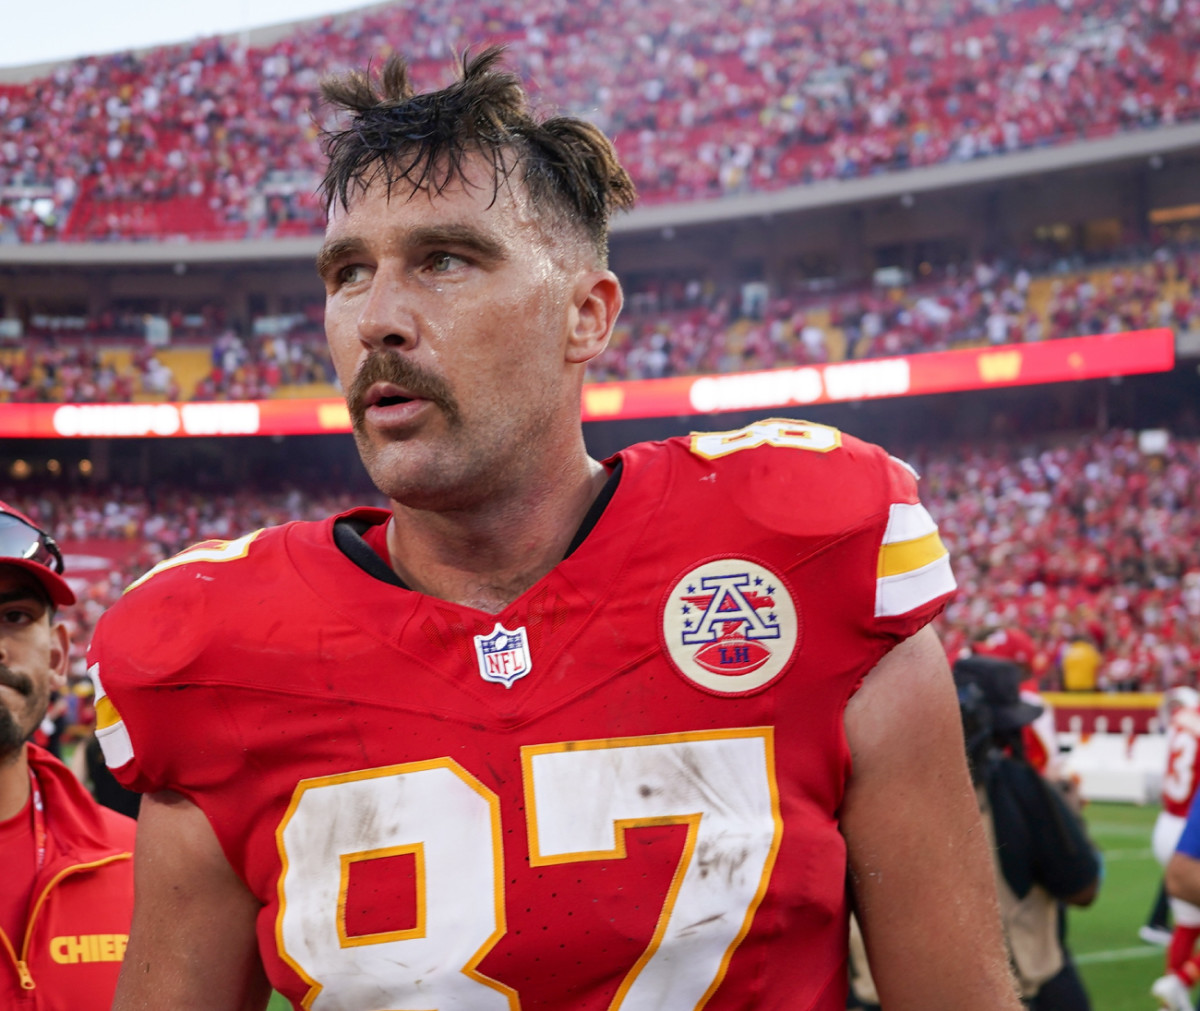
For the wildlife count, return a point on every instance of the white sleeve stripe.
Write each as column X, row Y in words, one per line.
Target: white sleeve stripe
column 93, row 672
column 907, row 522
column 116, row 745
column 897, row 595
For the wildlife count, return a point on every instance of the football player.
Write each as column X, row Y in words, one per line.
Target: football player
column 548, row 732
column 1180, row 711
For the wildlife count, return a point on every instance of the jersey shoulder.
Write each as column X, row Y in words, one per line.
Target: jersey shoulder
column 814, row 477
column 166, row 632
column 168, row 603
column 815, row 487
column 214, row 589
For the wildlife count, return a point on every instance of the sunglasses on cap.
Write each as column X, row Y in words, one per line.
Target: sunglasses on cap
column 21, row 539
column 28, row 547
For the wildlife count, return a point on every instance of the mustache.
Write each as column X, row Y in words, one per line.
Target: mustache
column 390, row 367
column 18, row 682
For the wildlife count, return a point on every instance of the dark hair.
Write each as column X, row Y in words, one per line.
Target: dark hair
column 569, row 168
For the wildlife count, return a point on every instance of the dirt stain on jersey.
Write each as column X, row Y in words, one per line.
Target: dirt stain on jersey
column 725, row 857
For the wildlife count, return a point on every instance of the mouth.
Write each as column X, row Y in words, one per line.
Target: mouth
column 388, row 395
column 394, row 392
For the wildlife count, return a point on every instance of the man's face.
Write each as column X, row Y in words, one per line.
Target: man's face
column 448, row 319
column 33, row 658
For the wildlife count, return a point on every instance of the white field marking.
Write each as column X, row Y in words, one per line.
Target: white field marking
column 1141, row 854
column 1096, row 828
column 1119, row 955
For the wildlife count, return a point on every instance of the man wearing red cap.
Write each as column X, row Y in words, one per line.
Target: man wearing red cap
column 1040, row 737
column 66, row 895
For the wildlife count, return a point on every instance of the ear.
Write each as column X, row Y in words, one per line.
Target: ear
column 597, row 302
column 60, row 654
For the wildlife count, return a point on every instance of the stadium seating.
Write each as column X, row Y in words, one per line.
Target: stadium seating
column 707, row 99
column 700, row 328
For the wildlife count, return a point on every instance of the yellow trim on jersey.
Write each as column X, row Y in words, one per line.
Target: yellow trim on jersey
column 692, row 820
column 208, row 551
column 913, row 567
column 106, row 713
column 111, row 731
column 906, row 556
column 471, row 968
column 406, row 934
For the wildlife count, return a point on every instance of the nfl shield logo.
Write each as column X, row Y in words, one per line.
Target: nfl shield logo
column 503, row 655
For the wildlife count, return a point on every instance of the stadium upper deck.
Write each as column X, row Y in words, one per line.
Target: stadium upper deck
column 710, row 99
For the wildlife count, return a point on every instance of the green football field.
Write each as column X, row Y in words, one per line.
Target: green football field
column 1117, row 968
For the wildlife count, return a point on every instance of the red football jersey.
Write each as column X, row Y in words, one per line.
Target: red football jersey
column 619, row 792
column 1179, row 782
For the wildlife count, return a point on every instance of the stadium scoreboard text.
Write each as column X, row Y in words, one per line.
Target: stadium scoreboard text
column 1056, row 361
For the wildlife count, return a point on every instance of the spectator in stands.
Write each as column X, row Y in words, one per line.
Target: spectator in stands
column 210, row 139
column 1081, row 663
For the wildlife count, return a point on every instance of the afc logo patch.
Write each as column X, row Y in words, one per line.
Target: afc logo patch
column 730, row 626
column 503, row 655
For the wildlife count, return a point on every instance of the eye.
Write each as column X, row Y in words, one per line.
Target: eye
column 15, row 616
column 353, row 273
column 441, row 263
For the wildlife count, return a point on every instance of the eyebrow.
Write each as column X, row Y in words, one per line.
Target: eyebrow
column 432, row 236
column 21, row 596
column 338, row 249
column 458, row 235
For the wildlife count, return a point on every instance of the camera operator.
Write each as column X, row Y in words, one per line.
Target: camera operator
column 1041, row 852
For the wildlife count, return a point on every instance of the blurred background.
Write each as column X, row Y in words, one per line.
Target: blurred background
column 968, row 230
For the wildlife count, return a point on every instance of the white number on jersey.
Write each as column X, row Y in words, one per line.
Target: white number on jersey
column 773, row 432
column 581, row 797
column 1180, row 777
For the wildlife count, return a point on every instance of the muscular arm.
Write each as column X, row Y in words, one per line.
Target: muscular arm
column 192, row 946
column 919, row 862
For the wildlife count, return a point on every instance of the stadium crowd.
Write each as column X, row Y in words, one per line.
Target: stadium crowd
column 667, row 329
column 1082, row 538
column 218, row 139
column 689, row 329
column 1088, row 540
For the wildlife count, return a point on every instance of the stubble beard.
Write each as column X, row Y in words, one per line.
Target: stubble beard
column 14, row 731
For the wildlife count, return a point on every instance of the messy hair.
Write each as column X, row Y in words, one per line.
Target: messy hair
column 568, row 167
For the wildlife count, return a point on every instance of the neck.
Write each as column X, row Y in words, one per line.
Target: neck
column 14, row 782
column 485, row 558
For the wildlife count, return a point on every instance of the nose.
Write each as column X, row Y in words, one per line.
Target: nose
column 386, row 318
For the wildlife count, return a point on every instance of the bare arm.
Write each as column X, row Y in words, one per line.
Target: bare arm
column 919, row 861
column 1183, row 878
column 192, row 946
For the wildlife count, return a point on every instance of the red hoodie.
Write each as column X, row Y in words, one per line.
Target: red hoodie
column 82, row 902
